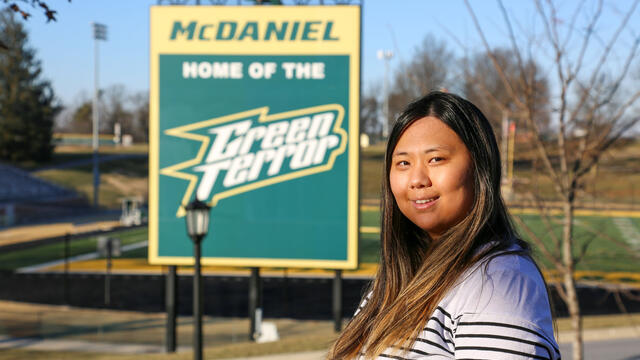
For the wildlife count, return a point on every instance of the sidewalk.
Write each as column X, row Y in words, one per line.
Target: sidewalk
column 77, row 345
column 27, row 233
column 590, row 335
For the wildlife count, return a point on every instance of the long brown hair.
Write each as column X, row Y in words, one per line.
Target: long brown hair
column 415, row 273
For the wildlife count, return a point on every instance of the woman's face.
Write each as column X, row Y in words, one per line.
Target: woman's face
column 431, row 176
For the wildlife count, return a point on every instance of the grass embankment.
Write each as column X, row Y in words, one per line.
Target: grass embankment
column 41, row 254
column 119, row 178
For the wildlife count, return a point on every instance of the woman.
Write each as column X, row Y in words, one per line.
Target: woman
column 454, row 280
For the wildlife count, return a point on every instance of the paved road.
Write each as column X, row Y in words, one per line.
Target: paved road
column 616, row 349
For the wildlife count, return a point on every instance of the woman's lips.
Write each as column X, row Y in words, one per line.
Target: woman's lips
column 422, row 204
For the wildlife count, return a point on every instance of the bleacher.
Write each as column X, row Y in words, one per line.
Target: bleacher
column 17, row 185
column 24, row 197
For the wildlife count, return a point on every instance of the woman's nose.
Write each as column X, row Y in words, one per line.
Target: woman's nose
column 419, row 178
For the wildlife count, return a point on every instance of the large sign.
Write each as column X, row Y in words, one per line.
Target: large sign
column 254, row 109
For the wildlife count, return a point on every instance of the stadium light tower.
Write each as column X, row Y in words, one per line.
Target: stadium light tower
column 99, row 33
column 385, row 55
column 197, row 228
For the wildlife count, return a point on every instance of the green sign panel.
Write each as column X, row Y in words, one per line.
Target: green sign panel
column 254, row 110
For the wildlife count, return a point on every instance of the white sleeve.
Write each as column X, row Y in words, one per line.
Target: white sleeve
column 502, row 312
column 497, row 337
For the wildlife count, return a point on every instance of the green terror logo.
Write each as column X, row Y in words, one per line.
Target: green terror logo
column 253, row 149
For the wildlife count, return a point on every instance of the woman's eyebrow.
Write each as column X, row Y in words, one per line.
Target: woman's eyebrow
column 437, row 148
column 426, row 151
column 399, row 153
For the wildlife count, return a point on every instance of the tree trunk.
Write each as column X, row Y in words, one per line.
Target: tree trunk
column 569, row 281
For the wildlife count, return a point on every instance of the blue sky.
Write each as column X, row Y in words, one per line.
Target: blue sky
column 65, row 47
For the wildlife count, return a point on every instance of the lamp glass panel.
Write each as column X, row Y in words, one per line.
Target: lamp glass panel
column 191, row 223
column 197, row 222
column 202, row 221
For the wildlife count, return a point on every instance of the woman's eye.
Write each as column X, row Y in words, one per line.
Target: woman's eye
column 435, row 159
column 403, row 163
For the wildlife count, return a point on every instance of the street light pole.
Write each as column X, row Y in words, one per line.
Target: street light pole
column 505, row 146
column 385, row 55
column 197, row 228
column 197, row 300
column 99, row 33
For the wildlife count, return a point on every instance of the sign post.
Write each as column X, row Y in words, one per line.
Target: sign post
column 108, row 247
column 255, row 304
column 171, row 298
column 337, row 301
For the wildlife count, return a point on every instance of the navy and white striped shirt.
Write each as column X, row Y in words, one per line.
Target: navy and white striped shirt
column 496, row 312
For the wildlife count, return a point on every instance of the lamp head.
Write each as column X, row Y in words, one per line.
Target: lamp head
column 197, row 219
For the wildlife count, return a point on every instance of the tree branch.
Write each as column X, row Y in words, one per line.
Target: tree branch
column 48, row 12
column 606, row 237
column 561, row 292
column 514, row 44
column 605, row 54
column 497, row 66
column 552, row 36
column 587, row 37
column 544, row 215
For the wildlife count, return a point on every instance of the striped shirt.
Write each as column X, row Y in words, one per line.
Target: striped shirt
column 496, row 312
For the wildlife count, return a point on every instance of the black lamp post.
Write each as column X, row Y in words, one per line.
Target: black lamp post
column 197, row 227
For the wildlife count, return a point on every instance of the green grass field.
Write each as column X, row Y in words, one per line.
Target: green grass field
column 601, row 253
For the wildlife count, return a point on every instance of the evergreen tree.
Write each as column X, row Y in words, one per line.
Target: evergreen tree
column 82, row 119
column 27, row 102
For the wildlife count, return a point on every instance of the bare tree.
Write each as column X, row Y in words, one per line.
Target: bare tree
column 140, row 116
column 116, row 104
column 12, row 5
column 370, row 112
column 429, row 69
column 20, row 9
column 591, row 106
column 484, row 86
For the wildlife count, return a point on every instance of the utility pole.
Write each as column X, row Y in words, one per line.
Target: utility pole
column 99, row 33
column 385, row 55
column 505, row 146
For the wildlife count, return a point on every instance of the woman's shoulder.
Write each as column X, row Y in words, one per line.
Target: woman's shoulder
column 502, row 296
column 507, row 282
column 512, row 262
